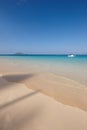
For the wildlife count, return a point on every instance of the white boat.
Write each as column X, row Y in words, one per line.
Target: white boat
column 71, row 55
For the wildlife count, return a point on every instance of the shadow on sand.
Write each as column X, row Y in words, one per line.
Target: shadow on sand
column 7, row 80
column 19, row 99
column 24, row 116
column 17, row 78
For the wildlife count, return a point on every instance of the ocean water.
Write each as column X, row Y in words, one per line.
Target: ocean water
column 71, row 67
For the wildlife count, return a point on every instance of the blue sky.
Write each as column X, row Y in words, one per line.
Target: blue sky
column 43, row 26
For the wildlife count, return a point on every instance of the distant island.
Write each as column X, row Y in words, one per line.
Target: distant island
column 19, row 53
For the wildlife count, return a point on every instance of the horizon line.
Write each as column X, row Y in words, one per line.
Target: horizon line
column 21, row 54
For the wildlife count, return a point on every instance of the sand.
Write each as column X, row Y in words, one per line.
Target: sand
column 38, row 100
column 24, row 109
column 60, row 88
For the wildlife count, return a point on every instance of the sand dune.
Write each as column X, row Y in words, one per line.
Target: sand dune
column 24, row 109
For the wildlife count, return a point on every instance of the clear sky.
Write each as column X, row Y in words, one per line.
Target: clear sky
column 43, row 26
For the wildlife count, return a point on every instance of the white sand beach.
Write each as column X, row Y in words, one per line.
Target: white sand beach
column 23, row 109
column 35, row 100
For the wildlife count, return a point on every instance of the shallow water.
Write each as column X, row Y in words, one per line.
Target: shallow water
column 74, row 68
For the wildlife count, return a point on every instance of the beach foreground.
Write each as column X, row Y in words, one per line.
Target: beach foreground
column 36, row 99
column 22, row 109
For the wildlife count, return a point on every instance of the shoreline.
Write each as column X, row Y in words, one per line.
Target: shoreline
column 73, row 72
